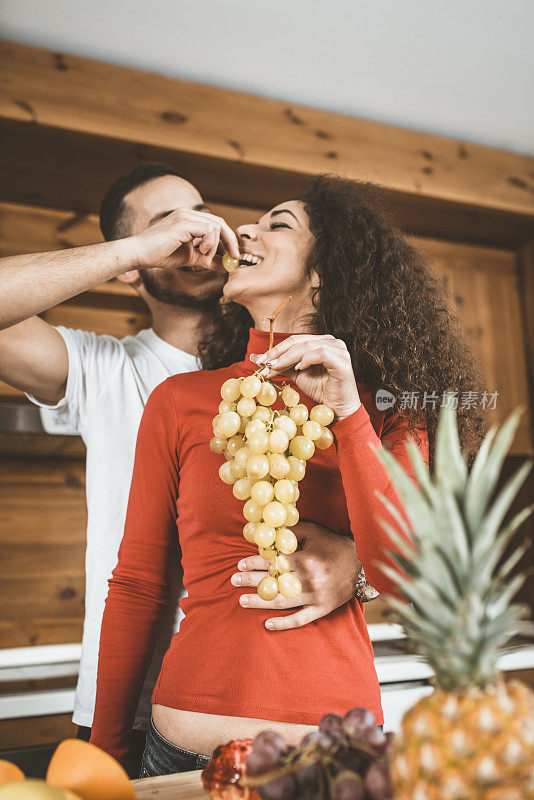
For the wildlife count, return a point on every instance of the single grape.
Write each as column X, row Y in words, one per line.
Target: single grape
column 218, row 445
column 268, row 553
column 286, row 541
column 274, row 514
column 237, row 471
column 284, row 491
column 331, row 724
column 289, row 585
column 242, row 456
column 273, row 739
column 378, row 781
column 229, row 423
column 286, row 424
column 215, row 426
column 357, row 723
column 234, row 444
column 279, row 566
column 322, row 414
column 278, row 466
column 348, row 786
column 267, row 589
column 290, row 397
column 325, row 439
column 258, row 442
column 297, row 468
column 226, row 473
column 297, row 491
column 224, row 406
column 292, row 515
column 248, row 532
column 262, row 492
column 264, row 535
column 301, row 447
column 278, row 441
column 267, row 394
column 262, row 758
column 254, row 426
column 250, row 386
column 230, row 264
column 257, row 466
column 262, row 413
column 299, row 414
column 241, row 488
column 230, row 390
column 246, row 407
column 252, row 511
column 310, row 428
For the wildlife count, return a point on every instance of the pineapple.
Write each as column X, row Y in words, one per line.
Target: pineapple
column 473, row 737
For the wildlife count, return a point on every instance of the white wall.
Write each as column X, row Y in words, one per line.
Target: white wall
column 461, row 68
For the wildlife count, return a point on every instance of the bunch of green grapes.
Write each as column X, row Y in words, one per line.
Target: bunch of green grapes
column 266, row 451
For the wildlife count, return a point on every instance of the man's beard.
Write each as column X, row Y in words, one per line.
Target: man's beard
column 176, row 297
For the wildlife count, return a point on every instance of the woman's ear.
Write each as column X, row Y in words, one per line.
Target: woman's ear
column 130, row 277
column 315, row 280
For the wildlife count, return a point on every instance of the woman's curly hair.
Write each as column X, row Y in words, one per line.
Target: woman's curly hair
column 375, row 294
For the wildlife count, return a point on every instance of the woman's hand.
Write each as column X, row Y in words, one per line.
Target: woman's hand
column 321, row 368
column 327, row 566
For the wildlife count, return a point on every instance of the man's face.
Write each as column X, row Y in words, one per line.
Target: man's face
column 149, row 203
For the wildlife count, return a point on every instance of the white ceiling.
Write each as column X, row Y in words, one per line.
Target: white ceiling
column 461, row 68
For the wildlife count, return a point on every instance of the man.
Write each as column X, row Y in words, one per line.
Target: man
column 162, row 240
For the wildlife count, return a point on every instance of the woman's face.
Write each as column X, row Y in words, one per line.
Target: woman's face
column 280, row 241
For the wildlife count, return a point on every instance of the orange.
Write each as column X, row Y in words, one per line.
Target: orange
column 89, row 772
column 10, row 772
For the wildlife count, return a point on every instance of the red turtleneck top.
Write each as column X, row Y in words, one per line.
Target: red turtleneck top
column 223, row 660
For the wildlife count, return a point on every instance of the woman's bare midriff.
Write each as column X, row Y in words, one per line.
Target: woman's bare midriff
column 202, row 733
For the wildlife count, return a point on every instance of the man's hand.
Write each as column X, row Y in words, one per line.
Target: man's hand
column 327, row 566
column 184, row 238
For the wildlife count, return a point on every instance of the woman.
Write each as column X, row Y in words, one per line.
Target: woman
column 365, row 315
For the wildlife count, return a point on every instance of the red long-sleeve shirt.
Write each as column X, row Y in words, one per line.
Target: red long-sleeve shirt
column 223, row 660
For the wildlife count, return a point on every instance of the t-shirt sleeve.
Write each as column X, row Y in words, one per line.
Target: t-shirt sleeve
column 138, row 588
column 363, row 474
column 92, row 360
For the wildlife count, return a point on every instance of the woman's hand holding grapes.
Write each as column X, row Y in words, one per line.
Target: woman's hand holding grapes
column 321, row 368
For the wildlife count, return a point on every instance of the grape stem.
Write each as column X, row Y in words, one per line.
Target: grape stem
column 272, row 319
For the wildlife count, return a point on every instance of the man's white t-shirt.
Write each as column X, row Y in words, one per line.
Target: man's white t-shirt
column 109, row 382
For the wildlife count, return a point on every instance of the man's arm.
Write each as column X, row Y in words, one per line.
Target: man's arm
column 30, row 284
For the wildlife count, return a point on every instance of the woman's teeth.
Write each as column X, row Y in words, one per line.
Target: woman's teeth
column 245, row 259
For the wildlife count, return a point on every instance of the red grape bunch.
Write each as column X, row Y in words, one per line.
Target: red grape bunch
column 347, row 758
column 266, row 451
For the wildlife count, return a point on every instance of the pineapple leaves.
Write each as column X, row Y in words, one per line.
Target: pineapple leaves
column 490, row 524
column 487, row 468
column 450, row 470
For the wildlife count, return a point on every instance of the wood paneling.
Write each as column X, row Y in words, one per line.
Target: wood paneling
column 483, row 288
column 232, row 126
column 42, row 540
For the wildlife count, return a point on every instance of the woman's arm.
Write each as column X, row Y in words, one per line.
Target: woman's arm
column 321, row 367
column 363, row 475
column 138, row 588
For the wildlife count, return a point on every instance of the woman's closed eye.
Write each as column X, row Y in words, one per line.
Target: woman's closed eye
column 275, row 225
